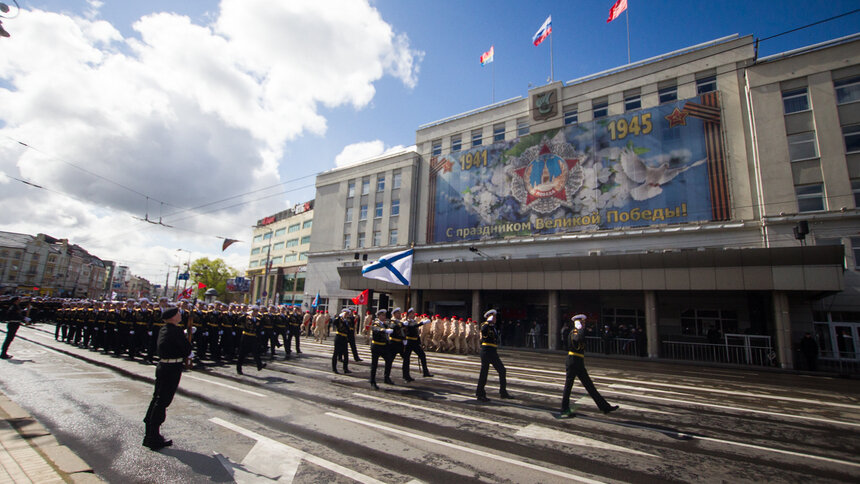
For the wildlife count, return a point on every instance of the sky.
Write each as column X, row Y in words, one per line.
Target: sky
column 209, row 115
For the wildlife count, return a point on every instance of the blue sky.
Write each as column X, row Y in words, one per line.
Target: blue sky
column 126, row 108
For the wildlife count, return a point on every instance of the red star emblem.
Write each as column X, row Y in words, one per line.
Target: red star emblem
column 447, row 165
column 677, row 118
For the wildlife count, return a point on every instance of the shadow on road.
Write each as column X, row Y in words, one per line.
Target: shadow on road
column 204, row 465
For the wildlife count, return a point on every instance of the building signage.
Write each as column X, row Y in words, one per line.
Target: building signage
column 655, row 166
column 545, row 105
column 268, row 220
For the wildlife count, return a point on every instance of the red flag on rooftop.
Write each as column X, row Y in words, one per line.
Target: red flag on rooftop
column 616, row 10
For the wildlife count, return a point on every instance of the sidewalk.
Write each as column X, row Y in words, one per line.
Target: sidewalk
column 30, row 454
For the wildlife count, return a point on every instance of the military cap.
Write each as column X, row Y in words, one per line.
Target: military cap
column 381, row 311
column 578, row 316
column 489, row 313
column 169, row 312
column 396, row 310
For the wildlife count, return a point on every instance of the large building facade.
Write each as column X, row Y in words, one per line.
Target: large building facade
column 703, row 196
column 279, row 253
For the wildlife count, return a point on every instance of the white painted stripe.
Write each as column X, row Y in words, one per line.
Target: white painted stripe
column 781, row 451
column 308, row 457
column 643, row 389
column 527, row 465
column 425, row 408
column 212, row 382
column 538, row 432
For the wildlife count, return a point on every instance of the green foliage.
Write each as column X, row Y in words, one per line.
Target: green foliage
column 213, row 273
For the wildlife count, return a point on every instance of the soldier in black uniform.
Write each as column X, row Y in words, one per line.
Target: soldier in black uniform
column 173, row 348
column 379, row 332
column 251, row 325
column 341, row 342
column 413, row 343
column 14, row 313
column 395, row 343
column 294, row 332
column 354, row 321
column 490, row 356
column 576, row 368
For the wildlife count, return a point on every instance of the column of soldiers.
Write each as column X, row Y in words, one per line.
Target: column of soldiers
column 390, row 338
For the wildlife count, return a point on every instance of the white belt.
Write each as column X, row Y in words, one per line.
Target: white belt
column 172, row 360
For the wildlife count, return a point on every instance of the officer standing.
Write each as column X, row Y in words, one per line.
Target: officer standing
column 379, row 332
column 576, row 368
column 413, row 343
column 173, row 348
column 15, row 313
column 341, row 348
column 294, row 331
column 490, row 356
column 250, row 329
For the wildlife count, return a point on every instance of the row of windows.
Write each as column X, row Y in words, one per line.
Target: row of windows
column 396, row 179
column 280, row 245
column 803, row 146
column 377, row 211
column 279, row 259
column 797, row 100
column 278, row 233
column 376, row 240
column 810, row 198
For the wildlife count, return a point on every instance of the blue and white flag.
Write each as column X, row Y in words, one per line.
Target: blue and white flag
column 395, row 268
column 316, row 300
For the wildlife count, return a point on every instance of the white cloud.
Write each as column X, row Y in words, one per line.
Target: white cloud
column 365, row 150
column 186, row 113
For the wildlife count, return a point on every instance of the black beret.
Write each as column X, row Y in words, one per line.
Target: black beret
column 169, row 313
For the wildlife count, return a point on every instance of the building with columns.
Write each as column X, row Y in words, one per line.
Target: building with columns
column 705, row 197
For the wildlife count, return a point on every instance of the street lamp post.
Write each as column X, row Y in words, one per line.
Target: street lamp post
column 266, row 270
column 187, row 269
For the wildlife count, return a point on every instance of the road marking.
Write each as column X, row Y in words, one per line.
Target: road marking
column 531, row 431
column 780, row 451
column 527, row 465
column 225, row 385
column 269, row 454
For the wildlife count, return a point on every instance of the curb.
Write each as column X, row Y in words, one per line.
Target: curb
column 61, row 458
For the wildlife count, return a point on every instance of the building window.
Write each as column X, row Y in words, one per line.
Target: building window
column 350, row 190
column 810, row 198
column 347, row 239
column 254, row 263
column 377, row 238
column 855, row 250
column 380, row 183
column 706, row 84
column 365, row 187
column 498, row 132
column 305, row 240
column 303, row 256
column 855, row 187
column 600, row 109
column 361, row 240
column 392, row 237
column 293, row 228
column 477, row 137
column 852, row 138
column 307, row 224
column 668, row 94
column 348, row 215
column 395, row 207
column 278, row 246
column 362, row 213
column 802, row 146
column 267, row 236
column 632, row 103
column 395, row 180
column 377, row 213
column 630, row 318
column 292, row 242
column 571, row 116
column 697, row 322
column 436, row 148
column 258, row 238
column 280, row 232
column 276, row 260
column 456, row 143
column 522, row 127
column 795, row 100
column 847, row 90
column 290, row 257
column 255, row 251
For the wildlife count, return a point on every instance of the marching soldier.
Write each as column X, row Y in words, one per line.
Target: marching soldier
column 111, row 331
column 395, row 342
column 575, row 367
column 379, row 332
column 490, row 356
column 251, row 325
column 413, row 343
column 341, row 342
column 294, row 332
column 354, row 325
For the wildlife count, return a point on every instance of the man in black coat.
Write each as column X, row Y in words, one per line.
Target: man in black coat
column 575, row 367
column 173, row 348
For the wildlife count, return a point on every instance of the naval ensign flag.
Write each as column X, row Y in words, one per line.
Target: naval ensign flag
column 395, row 268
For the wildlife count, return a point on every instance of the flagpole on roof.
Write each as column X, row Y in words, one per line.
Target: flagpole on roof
column 494, row 85
column 627, row 19
column 551, row 71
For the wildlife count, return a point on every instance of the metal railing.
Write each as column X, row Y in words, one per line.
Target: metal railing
column 612, row 346
column 719, row 353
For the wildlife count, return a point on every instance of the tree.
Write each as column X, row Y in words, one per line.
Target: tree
column 212, row 273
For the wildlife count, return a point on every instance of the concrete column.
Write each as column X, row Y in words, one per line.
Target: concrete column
column 476, row 306
column 651, row 324
column 782, row 330
column 553, row 315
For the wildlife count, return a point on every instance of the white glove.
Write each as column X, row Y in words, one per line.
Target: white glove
column 577, row 324
column 149, row 333
column 191, row 355
column 389, row 331
column 131, row 332
column 206, row 333
column 404, row 342
column 220, row 332
column 27, row 320
column 193, row 329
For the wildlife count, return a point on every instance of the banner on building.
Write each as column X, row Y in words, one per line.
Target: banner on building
column 662, row 165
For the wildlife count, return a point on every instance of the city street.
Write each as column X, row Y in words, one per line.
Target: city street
column 296, row 421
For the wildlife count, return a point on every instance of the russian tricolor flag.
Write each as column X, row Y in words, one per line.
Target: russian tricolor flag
column 487, row 56
column 543, row 32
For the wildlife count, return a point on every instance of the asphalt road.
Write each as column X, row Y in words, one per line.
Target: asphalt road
column 296, row 421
